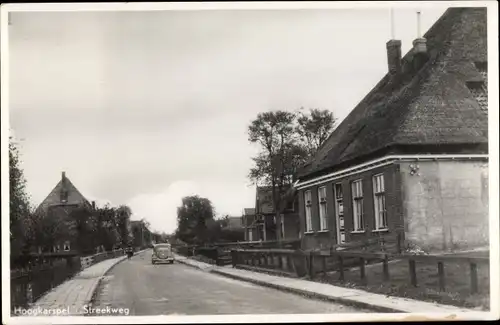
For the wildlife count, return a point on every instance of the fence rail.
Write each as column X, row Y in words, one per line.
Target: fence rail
column 310, row 263
column 87, row 261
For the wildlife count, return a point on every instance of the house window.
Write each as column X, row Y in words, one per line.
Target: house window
column 67, row 246
column 479, row 91
column 379, row 202
column 357, row 204
column 56, row 248
column 339, row 212
column 250, row 234
column 64, row 196
column 282, row 217
column 307, row 200
column 482, row 67
column 322, row 208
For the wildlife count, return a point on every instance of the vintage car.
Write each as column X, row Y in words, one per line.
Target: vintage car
column 162, row 253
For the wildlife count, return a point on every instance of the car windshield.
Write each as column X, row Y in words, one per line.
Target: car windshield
column 162, row 248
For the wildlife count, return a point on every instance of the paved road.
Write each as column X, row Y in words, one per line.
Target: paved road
column 147, row 289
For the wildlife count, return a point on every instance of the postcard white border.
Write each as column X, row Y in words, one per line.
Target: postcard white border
column 134, row 6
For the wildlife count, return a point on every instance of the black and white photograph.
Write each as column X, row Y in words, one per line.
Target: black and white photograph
column 249, row 162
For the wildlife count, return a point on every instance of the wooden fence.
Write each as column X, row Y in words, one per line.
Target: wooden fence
column 87, row 261
column 220, row 253
column 300, row 263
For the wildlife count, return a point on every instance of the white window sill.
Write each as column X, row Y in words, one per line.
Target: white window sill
column 324, row 230
column 381, row 230
column 358, row 232
column 309, row 232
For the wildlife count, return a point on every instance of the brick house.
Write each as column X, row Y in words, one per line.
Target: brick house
column 412, row 156
column 60, row 202
column 260, row 222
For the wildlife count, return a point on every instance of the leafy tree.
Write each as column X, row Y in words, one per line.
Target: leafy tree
column 107, row 231
column 19, row 201
column 51, row 227
column 286, row 140
column 141, row 233
column 87, row 229
column 193, row 216
column 314, row 128
column 123, row 214
column 275, row 133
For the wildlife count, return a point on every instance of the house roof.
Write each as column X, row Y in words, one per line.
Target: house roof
column 422, row 110
column 249, row 211
column 74, row 197
column 264, row 204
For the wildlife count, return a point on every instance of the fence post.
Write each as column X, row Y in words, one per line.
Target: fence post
column 413, row 272
column 324, row 265
column 233, row 257
column 398, row 239
column 362, row 269
column 341, row 268
column 441, row 276
column 280, row 261
column 386, row 268
column 473, row 277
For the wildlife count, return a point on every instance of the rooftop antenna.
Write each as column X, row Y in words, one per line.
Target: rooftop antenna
column 393, row 36
column 419, row 33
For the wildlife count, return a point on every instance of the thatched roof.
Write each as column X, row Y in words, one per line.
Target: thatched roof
column 424, row 109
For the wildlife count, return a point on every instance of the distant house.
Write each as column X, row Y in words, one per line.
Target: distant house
column 260, row 222
column 412, row 156
column 60, row 202
column 234, row 223
column 248, row 219
column 290, row 217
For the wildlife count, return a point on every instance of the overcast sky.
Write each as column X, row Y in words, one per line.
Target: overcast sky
column 143, row 108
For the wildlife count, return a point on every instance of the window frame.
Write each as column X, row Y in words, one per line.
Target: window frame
column 339, row 215
column 379, row 196
column 357, row 205
column 63, row 196
column 308, row 210
column 323, row 209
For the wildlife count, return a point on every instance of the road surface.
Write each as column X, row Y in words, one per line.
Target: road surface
column 147, row 289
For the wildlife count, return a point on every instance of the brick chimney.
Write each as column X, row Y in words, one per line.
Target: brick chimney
column 419, row 47
column 394, row 56
column 63, row 175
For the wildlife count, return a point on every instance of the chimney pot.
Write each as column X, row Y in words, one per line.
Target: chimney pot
column 419, row 53
column 63, row 175
column 394, row 56
column 420, row 45
column 93, row 204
